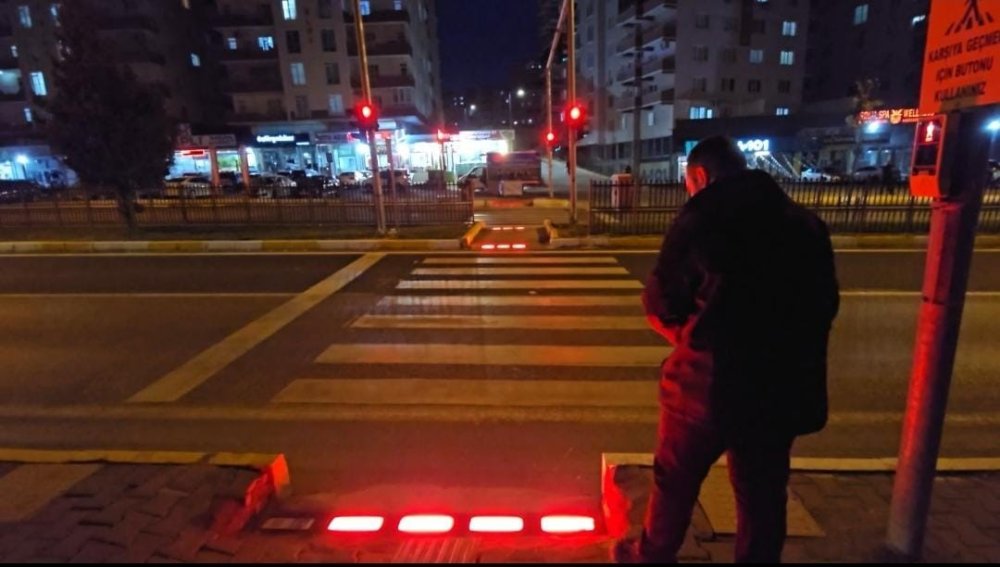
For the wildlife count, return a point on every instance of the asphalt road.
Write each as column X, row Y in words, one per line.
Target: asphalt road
column 97, row 353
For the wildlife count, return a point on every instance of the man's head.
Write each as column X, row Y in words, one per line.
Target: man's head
column 713, row 159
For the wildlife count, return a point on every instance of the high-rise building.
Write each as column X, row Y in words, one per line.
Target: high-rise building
column 163, row 43
column 852, row 41
column 294, row 64
column 698, row 59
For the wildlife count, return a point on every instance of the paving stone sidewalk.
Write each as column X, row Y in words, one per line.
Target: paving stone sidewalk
column 198, row 513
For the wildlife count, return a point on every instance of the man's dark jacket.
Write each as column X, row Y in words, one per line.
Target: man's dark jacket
column 745, row 288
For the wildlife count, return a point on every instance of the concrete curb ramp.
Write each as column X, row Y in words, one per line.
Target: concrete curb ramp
column 45, row 475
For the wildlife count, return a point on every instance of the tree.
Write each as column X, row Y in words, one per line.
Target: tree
column 112, row 130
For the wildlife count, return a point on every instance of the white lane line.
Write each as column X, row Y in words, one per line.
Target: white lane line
column 496, row 393
column 488, row 260
column 631, row 300
column 522, row 271
column 143, row 295
column 547, row 322
column 494, row 355
column 519, row 284
column 196, row 371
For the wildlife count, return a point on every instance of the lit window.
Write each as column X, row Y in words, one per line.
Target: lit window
column 366, row 8
column 288, row 9
column 13, row 51
column 38, row 83
column 298, row 74
column 54, row 10
column 651, row 118
column 265, row 42
column 24, row 15
column 700, row 113
column 29, row 116
column 336, row 104
column 756, row 55
column 781, row 111
column 787, row 57
column 789, row 29
column 232, row 44
column 397, row 5
column 195, row 60
column 860, row 14
column 186, row 4
column 919, row 19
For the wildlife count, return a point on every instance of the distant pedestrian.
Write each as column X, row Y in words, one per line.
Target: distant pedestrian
column 745, row 290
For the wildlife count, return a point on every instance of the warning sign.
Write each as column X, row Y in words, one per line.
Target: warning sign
column 961, row 67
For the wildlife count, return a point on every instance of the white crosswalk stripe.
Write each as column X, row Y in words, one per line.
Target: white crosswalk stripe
column 566, row 297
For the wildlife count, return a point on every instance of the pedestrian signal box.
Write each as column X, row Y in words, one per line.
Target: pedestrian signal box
column 929, row 175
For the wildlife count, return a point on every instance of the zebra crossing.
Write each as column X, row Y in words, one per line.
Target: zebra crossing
column 458, row 331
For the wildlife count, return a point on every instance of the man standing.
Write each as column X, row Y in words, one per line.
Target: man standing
column 745, row 290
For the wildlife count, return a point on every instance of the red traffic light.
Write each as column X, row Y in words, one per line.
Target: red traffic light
column 367, row 115
column 929, row 132
column 550, row 137
column 443, row 136
column 576, row 116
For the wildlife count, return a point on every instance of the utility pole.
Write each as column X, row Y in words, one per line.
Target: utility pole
column 954, row 220
column 637, row 111
column 548, row 76
column 371, row 134
column 548, row 121
column 571, row 91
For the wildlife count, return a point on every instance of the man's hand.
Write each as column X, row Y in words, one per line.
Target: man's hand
column 653, row 306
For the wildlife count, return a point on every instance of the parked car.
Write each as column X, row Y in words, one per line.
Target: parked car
column 271, row 185
column 815, row 174
column 188, row 187
column 402, row 179
column 348, row 178
column 867, row 174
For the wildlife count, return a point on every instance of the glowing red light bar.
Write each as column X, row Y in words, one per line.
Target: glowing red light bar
column 520, row 246
column 356, row 524
column 506, row 228
column 487, row 247
column 503, row 246
column 426, row 524
column 567, row 524
column 496, row 524
column 520, row 228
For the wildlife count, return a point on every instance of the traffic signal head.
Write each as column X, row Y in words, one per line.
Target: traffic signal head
column 441, row 136
column 367, row 115
column 928, row 175
column 550, row 137
column 576, row 116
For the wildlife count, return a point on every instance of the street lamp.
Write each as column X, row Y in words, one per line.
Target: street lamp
column 510, row 105
column 994, row 126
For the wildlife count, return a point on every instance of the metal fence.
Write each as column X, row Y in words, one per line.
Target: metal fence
column 845, row 207
column 352, row 206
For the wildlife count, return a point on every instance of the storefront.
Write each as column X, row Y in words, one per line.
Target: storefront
column 34, row 163
column 458, row 153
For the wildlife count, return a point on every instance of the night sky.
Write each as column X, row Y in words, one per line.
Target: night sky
column 481, row 39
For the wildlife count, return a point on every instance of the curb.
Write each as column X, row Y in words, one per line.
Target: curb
column 194, row 246
column 548, row 233
column 233, row 511
column 470, row 235
column 840, row 242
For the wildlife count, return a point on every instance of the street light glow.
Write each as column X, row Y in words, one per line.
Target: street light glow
column 520, row 93
column 994, row 125
column 22, row 159
column 873, row 128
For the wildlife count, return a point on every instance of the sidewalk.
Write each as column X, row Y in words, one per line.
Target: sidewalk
column 204, row 511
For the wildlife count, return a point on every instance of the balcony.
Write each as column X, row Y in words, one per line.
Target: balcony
column 254, row 86
column 235, row 55
column 652, row 98
column 257, row 117
column 138, row 22
column 380, row 17
column 384, row 48
column 386, row 81
column 666, row 65
column 650, row 9
column 19, row 96
column 402, row 110
column 262, row 19
column 666, row 32
column 9, row 62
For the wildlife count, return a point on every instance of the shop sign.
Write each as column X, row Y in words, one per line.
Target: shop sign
column 754, row 146
column 963, row 43
column 275, row 139
column 891, row 115
column 214, row 141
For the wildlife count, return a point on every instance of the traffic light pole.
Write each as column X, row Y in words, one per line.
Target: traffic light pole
column 370, row 133
column 954, row 221
column 548, row 121
column 571, row 91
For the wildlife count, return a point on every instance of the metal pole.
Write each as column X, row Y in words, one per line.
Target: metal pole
column 510, row 109
column 366, row 93
column 949, row 256
column 571, row 91
column 637, row 114
column 548, row 120
column 392, row 180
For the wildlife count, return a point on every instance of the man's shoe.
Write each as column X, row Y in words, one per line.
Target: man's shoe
column 626, row 551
